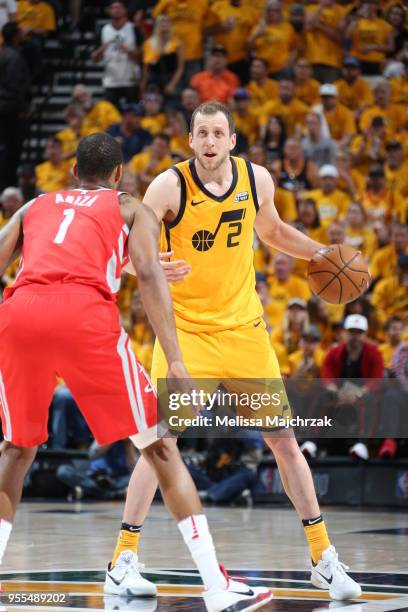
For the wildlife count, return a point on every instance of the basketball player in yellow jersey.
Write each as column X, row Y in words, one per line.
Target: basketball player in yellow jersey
column 209, row 207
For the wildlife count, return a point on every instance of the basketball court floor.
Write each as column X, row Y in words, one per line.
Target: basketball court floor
column 62, row 549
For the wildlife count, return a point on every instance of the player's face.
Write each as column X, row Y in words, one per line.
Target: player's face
column 211, row 140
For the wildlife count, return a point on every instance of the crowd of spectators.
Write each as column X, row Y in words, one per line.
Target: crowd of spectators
column 319, row 93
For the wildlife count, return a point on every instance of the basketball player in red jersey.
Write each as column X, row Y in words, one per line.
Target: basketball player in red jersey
column 60, row 319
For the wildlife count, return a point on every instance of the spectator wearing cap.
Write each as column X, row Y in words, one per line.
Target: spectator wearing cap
column 324, row 26
column 319, row 149
column 306, row 88
column 390, row 295
column 163, row 59
column 11, row 200
column 274, row 39
column 339, row 120
column 368, row 148
column 350, row 180
column 393, row 114
column 188, row 19
column 396, row 167
column 354, row 91
column 151, row 162
column 261, row 87
column 357, row 234
column 284, row 285
column 331, row 202
column 14, row 101
column 245, row 118
column 353, row 359
column 295, row 320
column 384, row 261
column 98, row 115
column 129, row 133
column 234, row 21
column 119, row 55
column 217, row 82
column 53, row 173
column 154, row 119
column 370, row 37
column 72, row 134
column 399, row 85
column 393, row 329
column 307, row 360
column 379, row 201
column 287, row 106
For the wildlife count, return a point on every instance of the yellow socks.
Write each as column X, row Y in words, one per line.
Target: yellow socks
column 317, row 538
column 128, row 539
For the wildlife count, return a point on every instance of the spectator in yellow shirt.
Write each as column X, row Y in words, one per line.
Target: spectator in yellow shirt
column 245, row 118
column 379, row 201
column 324, row 26
column 308, row 222
column 369, row 148
column 306, row 88
column 151, row 162
column 178, row 131
column 71, row 135
column 384, row 261
column 393, row 332
column 99, row 116
column 284, row 285
column 10, row 201
column 305, row 363
column 354, row 90
column 261, row 88
column 370, row 37
column 332, row 203
column 396, row 168
column 155, row 120
column 274, row 40
column 399, row 85
column 395, row 115
column 53, row 174
column 358, row 235
column 350, row 180
column 295, row 321
column 292, row 110
column 339, row 119
column 390, row 295
column 188, row 19
column 35, row 17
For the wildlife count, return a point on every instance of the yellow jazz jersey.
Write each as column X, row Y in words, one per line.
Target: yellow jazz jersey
column 214, row 234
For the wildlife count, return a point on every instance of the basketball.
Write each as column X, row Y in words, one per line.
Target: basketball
column 338, row 274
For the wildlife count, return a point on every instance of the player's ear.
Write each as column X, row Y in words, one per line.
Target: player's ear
column 118, row 173
column 75, row 170
column 233, row 141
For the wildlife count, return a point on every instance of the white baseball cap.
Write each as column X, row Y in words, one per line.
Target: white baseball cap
column 329, row 170
column 328, row 89
column 356, row 321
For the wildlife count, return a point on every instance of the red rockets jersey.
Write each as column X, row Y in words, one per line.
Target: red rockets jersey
column 76, row 236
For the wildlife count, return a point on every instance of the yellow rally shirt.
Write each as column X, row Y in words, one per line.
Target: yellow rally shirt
column 214, row 234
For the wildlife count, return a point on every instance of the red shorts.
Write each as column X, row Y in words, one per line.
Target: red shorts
column 71, row 332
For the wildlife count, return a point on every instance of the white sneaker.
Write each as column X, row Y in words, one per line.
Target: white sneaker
column 329, row 574
column 236, row 596
column 309, row 449
column 125, row 578
column 360, row 451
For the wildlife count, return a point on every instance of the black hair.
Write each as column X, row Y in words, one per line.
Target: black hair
column 97, row 156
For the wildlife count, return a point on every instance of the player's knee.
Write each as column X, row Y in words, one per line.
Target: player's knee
column 18, row 454
column 285, row 448
column 162, row 450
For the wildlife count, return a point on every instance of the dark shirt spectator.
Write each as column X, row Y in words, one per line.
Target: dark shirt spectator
column 132, row 137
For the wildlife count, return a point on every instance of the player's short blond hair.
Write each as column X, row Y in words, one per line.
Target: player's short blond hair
column 212, row 108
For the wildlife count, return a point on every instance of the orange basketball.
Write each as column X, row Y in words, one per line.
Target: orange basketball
column 338, row 274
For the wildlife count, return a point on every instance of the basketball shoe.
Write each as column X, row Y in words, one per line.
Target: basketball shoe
column 236, row 596
column 125, row 578
column 329, row 574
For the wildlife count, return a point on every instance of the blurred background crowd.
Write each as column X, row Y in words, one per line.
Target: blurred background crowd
column 319, row 94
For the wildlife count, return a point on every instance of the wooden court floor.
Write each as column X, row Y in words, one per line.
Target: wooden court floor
column 62, row 549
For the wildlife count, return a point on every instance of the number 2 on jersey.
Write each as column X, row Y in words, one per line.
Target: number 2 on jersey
column 69, row 214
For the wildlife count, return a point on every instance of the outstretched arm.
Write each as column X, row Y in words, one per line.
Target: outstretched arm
column 270, row 227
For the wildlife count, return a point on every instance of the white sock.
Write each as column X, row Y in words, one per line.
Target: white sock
column 197, row 537
column 5, row 530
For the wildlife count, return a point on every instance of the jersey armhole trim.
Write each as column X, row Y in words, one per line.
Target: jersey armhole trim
column 252, row 183
column 183, row 200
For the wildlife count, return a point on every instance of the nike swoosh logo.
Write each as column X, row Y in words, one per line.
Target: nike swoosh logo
column 314, row 521
column 248, row 593
column 117, row 582
column 196, row 203
column 256, row 324
column 329, row 580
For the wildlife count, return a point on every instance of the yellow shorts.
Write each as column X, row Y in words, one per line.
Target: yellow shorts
column 230, row 356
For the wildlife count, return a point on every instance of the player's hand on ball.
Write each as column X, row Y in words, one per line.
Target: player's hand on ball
column 338, row 274
column 174, row 270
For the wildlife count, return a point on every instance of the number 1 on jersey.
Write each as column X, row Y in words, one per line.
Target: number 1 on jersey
column 69, row 214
